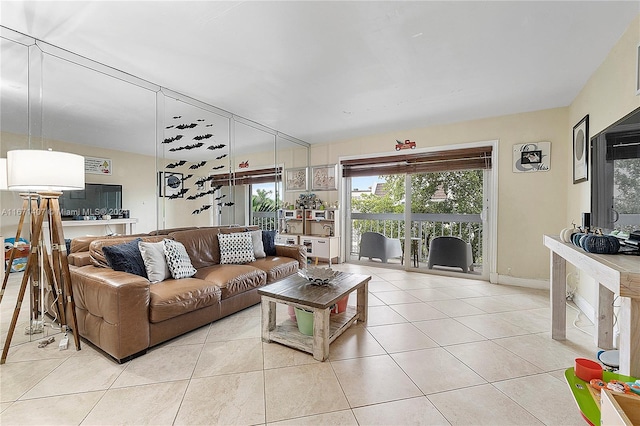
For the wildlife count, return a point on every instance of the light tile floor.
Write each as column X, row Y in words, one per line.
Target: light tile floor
column 435, row 351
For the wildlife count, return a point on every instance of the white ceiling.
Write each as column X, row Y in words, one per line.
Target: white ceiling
column 321, row 71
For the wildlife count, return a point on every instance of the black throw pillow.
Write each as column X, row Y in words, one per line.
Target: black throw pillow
column 269, row 242
column 126, row 258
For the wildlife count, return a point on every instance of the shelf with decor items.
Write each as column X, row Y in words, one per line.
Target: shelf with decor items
column 316, row 229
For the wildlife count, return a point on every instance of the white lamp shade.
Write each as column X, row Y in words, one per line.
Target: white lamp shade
column 38, row 170
column 3, row 174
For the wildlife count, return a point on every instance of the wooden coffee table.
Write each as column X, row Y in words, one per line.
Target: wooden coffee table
column 298, row 292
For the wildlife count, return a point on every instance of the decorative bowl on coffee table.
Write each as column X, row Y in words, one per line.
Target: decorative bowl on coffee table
column 318, row 276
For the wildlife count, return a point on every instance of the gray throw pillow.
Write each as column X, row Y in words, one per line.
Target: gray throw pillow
column 258, row 247
column 155, row 261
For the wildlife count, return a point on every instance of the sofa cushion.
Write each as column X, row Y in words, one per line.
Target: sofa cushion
column 276, row 267
column 233, row 279
column 125, row 257
column 171, row 298
column 201, row 245
column 155, row 262
column 81, row 258
column 236, row 248
column 177, row 259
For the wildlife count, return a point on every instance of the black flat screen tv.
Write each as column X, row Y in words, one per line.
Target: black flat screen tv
column 95, row 201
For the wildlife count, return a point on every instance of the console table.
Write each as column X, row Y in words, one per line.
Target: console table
column 127, row 224
column 616, row 274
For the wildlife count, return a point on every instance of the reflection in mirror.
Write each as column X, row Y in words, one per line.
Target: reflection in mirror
column 255, row 181
column 293, row 158
column 14, row 126
column 194, row 146
column 125, row 126
column 112, row 124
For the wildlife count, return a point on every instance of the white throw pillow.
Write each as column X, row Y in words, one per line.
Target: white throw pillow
column 258, row 247
column 155, row 261
column 177, row 259
column 236, row 248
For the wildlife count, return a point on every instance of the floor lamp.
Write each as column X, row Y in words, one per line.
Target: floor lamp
column 46, row 173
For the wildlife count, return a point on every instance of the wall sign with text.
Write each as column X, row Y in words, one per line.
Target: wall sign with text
column 97, row 166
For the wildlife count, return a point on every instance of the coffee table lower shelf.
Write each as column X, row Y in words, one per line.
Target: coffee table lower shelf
column 287, row 333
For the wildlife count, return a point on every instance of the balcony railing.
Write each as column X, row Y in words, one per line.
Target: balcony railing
column 424, row 226
column 265, row 220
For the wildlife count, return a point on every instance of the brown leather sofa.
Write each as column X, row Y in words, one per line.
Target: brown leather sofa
column 124, row 314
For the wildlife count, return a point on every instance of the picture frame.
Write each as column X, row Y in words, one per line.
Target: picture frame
column 581, row 150
column 532, row 157
column 638, row 71
column 324, row 178
column 296, row 179
column 170, row 184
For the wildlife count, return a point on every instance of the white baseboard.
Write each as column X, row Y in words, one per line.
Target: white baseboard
column 585, row 307
column 521, row 282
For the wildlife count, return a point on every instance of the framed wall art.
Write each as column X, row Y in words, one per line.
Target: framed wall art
column 323, row 178
column 581, row 150
column 532, row 157
column 296, row 179
column 170, row 184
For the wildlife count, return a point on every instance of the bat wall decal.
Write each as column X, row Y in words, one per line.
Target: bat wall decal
column 200, row 137
column 175, row 117
column 208, row 125
column 216, row 146
column 201, row 209
column 220, row 197
column 218, row 167
column 198, row 165
column 200, row 119
column 186, row 126
column 226, row 204
column 179, row 194
column 169, row 127
column 200, row 195
column 194, row 146
column 175, row 138
column 174, row 165
column 187, row 177
column 221, row 157
column 203, row 180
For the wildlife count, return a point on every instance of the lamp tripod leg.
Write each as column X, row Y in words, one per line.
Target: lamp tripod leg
column 12, row 255
column 32, row 263
column 57, row 238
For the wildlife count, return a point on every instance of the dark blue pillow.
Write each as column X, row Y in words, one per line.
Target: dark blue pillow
column 125, row 257
column 269, row 242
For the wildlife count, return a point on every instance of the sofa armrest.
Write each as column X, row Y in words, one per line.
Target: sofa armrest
column 293, row 251
column 112, row 309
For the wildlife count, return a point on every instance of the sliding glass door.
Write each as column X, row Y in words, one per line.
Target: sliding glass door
column 438, row 218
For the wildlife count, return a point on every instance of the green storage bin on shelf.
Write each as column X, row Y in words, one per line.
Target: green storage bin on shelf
column 305, row 321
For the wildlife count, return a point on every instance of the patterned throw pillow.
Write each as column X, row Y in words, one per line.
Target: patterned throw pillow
column 236, row 248
column 178, row 260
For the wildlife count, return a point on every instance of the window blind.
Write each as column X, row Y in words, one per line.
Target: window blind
column 248, row 177
column 437, row 161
